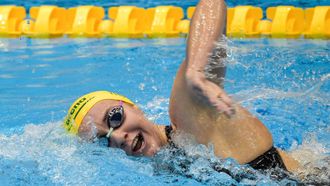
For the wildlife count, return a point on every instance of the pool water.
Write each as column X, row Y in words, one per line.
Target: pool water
column 284, row 82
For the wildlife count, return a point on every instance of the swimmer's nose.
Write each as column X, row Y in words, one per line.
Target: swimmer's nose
column 119, row 139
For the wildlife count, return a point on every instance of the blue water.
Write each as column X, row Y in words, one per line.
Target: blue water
column 285, row 83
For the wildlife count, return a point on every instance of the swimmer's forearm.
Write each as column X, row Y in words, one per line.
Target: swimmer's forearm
column 206, row 28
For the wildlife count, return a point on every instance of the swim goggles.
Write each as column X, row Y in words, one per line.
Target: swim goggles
column 115, row 118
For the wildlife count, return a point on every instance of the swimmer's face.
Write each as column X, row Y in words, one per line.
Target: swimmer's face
column 136, row 135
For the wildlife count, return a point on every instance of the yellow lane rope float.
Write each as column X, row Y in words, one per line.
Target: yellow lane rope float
column 160, row 21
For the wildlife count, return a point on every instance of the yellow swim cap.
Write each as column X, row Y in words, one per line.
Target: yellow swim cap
column 82, row 105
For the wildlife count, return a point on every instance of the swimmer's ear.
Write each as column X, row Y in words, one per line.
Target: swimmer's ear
column 89, row 130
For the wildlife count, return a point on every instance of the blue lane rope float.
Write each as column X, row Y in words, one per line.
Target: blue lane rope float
column 160, row 21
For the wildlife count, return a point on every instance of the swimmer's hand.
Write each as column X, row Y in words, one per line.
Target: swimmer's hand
column 208, row 92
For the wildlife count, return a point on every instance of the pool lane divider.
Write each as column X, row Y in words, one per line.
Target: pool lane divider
column 160, row 21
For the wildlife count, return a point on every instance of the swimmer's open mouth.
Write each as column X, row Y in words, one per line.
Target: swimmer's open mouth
column 137, row 142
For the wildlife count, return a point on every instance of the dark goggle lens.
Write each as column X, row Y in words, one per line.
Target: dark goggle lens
column 116, row 117
column 115, row 120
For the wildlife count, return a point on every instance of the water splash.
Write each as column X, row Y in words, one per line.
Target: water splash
column 199, row 162
column 157, row 110
column 47, row 154
column 314, row 159
column 285, row 83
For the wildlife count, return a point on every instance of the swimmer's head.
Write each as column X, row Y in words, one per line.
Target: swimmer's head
column 90, row 114
column 82, row 105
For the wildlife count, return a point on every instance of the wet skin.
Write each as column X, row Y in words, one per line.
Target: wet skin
column 149, row 137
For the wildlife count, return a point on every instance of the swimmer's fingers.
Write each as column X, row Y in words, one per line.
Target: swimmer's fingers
column 224, row 97
column 209, row 93
column 219, row 99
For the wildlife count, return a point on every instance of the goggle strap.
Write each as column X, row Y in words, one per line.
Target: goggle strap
column 109, row 133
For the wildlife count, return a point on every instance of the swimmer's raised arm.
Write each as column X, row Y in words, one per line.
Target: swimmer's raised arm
column 196, row 100
column 207, row 27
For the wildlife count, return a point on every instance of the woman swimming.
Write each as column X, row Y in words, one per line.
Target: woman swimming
column 198, row 106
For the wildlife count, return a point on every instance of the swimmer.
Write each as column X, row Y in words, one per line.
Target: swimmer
column 198, row 106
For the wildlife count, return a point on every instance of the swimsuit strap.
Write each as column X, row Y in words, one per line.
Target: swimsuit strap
column 168, row 133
